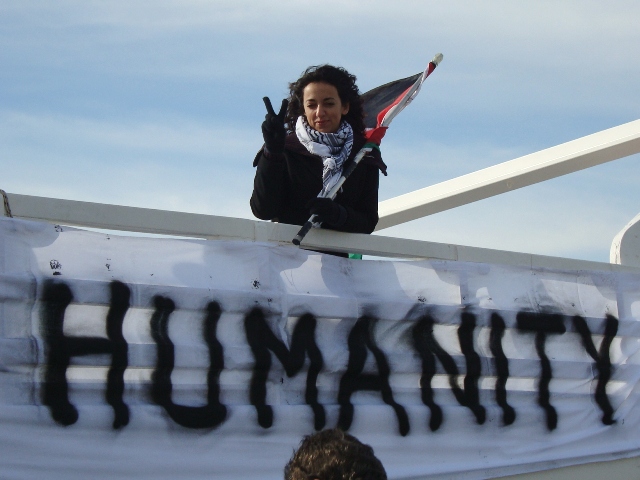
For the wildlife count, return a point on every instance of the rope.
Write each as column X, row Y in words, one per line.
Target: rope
column 7, row 208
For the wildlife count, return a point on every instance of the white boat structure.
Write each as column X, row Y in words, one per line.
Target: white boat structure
column 623, row 270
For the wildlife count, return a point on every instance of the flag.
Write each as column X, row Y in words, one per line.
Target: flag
column 383, row 103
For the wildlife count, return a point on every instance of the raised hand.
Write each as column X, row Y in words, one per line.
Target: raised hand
column 273, row 130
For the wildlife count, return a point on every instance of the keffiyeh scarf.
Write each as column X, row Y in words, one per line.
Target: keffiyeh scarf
column 333, row 148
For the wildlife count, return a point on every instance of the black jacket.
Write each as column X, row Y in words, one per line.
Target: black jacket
column 285, row 184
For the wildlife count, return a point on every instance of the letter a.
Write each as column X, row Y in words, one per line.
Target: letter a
column 353, row 380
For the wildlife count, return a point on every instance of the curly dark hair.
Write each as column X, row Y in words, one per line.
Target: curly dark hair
column 334, row 455
column 344, row 82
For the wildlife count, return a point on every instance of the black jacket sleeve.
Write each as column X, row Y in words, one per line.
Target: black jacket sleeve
column 269, row 186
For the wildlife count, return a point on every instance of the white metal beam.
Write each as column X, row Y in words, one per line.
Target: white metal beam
column 625, row 248
column 553, row 162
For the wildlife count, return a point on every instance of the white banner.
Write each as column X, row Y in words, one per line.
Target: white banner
column 147, row 358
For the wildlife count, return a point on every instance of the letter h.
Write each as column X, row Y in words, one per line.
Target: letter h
column 59, row 349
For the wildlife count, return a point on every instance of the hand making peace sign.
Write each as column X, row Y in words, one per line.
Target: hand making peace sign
column 273, row 130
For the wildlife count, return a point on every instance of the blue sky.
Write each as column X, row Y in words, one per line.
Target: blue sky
column 158, row 104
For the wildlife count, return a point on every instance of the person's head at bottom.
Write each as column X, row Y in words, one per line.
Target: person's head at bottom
column 333, row 455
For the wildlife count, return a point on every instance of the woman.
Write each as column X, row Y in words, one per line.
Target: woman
column 317, row 132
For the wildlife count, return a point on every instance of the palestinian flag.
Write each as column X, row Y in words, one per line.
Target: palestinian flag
column 382, row 104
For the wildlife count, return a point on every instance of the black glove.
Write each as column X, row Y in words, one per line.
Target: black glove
column 273, row 130
column 328, row 211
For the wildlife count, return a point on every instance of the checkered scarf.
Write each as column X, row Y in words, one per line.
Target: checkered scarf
column 333, row 148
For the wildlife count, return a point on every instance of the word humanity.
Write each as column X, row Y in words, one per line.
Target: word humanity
column 60, row 348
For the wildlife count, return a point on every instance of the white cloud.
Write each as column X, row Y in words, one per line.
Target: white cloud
column 550, row 35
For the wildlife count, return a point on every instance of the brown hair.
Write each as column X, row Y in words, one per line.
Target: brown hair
column 334, row 455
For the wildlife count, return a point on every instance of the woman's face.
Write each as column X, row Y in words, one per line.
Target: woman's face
column 322, row 107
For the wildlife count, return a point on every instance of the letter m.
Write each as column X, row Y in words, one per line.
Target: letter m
column 262, row 340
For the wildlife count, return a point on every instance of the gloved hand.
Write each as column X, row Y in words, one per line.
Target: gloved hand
column 328, row 211
column 273, row 130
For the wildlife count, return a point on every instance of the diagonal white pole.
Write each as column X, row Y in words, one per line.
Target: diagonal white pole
column 585, row 152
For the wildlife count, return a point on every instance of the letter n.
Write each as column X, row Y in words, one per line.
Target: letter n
column 425, row 343
column 59, row 349
column 206, row 416
column 360, row 339
column 261, row 339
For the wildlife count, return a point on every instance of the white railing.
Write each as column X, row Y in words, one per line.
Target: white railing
column 213, row 227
